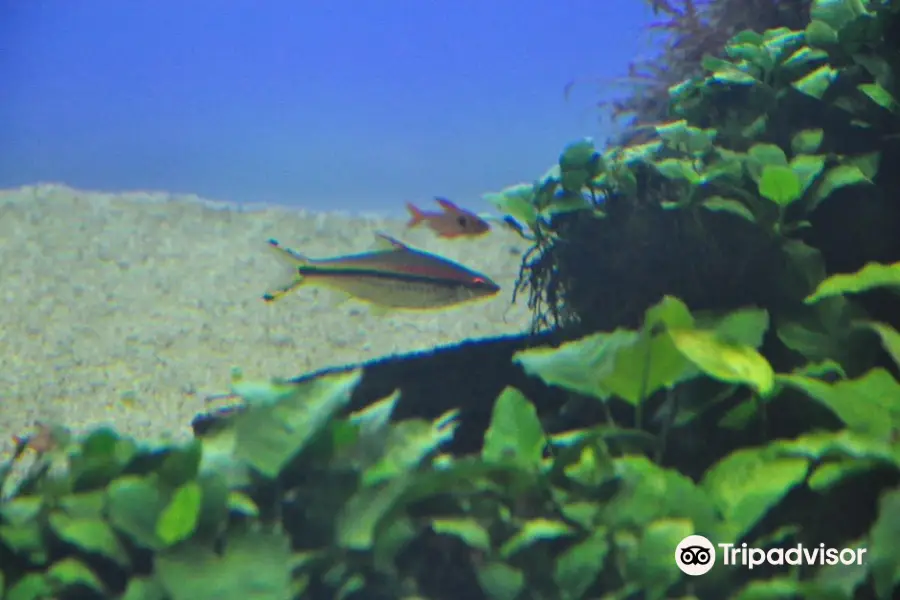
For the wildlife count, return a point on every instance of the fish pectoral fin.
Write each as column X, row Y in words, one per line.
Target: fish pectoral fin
column 291, row 261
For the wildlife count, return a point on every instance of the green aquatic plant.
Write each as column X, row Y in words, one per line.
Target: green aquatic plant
column 292, row 497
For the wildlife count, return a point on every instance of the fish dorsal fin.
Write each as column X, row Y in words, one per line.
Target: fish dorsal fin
column 447, row 205
column 385, row 242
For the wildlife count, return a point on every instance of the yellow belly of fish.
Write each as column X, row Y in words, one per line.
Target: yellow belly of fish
column 399, row 294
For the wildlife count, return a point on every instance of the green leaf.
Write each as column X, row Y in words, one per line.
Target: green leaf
column 844, row 444
column 807, row 167
column 32, row 586
column 578, row 567
column 651, row 563
column 807, row 141
column 365, row 511
column 90, row 535
column 407, row 445
column 269, row 435
column 134, row 504
column 724, row 361
column 500, row 581
column 804, row 57
column 253, row 565
column 890, row 338
column 866, row 163
column 648, row 492
column 729, row 205
column 873, row 275
column 864, row 404
column 733, row 76
column 623, row 363
column 747, row 483
column 678, row 169
column 515, row 432
column 468, row 530
column 884, row 545
column 578, row 155
column 879, row 96
column 534, row 531
column 837, row 177
column 821, row 35
column 140, row 588
column 768, row 155
column 70, row 572
column 179, row 519
column 779, row 184
column 516, row 201
column 815, row 84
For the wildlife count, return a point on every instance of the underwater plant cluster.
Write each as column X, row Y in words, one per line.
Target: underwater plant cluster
column 715, row 352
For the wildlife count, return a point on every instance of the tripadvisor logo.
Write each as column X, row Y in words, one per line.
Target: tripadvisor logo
column 696, row 555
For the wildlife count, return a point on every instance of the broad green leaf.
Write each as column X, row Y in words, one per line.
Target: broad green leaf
column 649, row 492
column 253, row 565
column 141, row 588
column 70, row 572
column 90, row 535
column 747, row 483
column 733, row 76
column 815, row 84
column 651, row 563
column 724, row 361
column 865, row 404
column 500, row 581
column 866, row 163
column 515, row 432
column 408, row 443
column 779, row 184
column 884, row 545
column 890, row 338
column 746, row 326
column 32, row 586
column 837, row 14
column 807, row 141
column 179, row 519
column 872, row 275
column 768, row 155
column 735, row 207
column 516, row 201
column 820, row 35
column 468, row 530
column 879, row 96
column 269, row 436
column 577, row 567
column 804, row 57
column 364, row 512
column 807, row 167
column 578, row 155
column 134, row 505
column 842, row 445
column 831, row 473
column 679, row 169
column 255, row 392
column 533, row 531
column 838, row 177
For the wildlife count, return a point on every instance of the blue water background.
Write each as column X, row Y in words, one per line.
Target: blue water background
column 355, row 105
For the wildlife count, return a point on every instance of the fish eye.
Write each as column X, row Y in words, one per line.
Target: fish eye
column 462, row 221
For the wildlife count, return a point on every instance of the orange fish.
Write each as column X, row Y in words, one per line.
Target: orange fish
column 451, row 222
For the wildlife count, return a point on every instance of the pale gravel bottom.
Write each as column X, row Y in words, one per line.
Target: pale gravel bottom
column 129, row 309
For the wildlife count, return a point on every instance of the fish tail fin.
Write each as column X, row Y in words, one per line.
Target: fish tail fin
column 292, row 279
column 416, row 216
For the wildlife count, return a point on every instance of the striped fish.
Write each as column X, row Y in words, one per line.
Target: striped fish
column 393, row 277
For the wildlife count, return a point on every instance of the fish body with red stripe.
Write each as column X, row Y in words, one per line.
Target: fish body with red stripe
column 395, row 277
